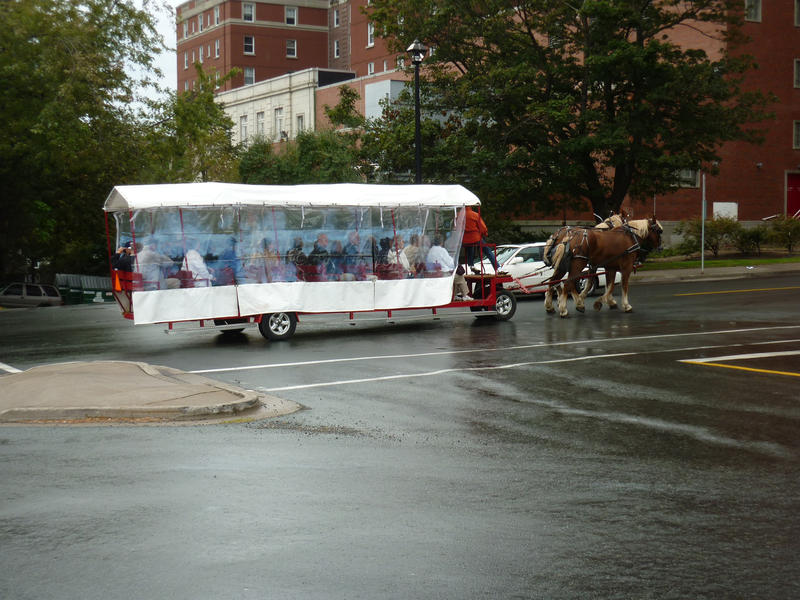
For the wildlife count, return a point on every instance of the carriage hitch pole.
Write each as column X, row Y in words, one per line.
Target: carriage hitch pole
column 547, row 283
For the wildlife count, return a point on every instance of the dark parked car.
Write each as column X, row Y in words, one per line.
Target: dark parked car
column 20, row 295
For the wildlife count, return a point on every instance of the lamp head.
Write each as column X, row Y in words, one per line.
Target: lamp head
column 417, row 52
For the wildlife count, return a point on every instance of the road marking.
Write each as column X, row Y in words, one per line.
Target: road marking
column 796, row 287
column 440, row 372
column 745, row 356
column 483, row 350
column 506, row 366
column 716, row 362
column 740, row 368
column 9, row 368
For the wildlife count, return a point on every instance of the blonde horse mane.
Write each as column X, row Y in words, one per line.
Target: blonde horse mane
column 640, row 227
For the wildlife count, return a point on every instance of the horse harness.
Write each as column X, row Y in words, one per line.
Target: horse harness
column 636, row 246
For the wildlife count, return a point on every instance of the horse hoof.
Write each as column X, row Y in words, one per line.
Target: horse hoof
column 550, row 311
column 613, row 306
column 564, row 316
column 580, row 308
column 629, row 309
column 598, row 305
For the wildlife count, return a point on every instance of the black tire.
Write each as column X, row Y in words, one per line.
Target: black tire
column 278, row 326
column 505, row 305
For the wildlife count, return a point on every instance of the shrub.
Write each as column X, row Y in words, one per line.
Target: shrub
column 718, row 232
column 751, row 240
column 785, row 232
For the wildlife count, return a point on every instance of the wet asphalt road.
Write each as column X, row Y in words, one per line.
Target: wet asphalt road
column 538, row 458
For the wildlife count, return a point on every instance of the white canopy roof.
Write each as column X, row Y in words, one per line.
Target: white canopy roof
column 133, row 197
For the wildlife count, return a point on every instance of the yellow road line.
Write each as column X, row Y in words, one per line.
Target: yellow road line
column 724, row 366
column 796, row 287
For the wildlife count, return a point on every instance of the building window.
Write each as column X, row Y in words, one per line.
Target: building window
column 291, row 15
column 336, row 49
column 186, row 86
column 185, row 29
column 200, row 55
column 797, row 13
column 689, row 178
column 797, row 72
column 216, row 79
column 371, row 68
column 279, row 123
column 248, row 11
column 291, row 48
column 194, row 57
column 336, row 16
column 185, row 60
column 752, row 10
column 301, row 123
column 216, row 48
column 401, row 62
column 796, row 144
column 243, row 128
column 216, row 15
column 199, row 22
column 249, row 45
column 249, row 75
column 260, row 124
column 370, row 35
column 386, row 65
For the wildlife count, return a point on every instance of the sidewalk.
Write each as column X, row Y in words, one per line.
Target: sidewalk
column 715, row 273
column 132, row 392
column 102, row 391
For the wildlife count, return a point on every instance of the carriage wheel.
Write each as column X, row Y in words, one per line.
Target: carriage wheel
column 278, row 326
column 505, row 305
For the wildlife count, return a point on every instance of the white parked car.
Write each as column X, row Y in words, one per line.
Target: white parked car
column 524, row 263
column 20, row 295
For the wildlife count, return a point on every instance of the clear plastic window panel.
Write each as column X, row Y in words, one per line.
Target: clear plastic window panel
column 218, row 246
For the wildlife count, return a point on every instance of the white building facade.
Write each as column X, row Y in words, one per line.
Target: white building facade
column 279, row 108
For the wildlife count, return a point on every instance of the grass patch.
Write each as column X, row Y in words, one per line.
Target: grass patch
column 660, row 265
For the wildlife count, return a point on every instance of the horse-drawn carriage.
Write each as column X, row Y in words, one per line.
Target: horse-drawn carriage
column 235, row 254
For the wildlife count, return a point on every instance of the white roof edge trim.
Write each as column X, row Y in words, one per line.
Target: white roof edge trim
column 180, row 195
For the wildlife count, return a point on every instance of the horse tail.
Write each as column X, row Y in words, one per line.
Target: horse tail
column 559, row 254
column 548, row 248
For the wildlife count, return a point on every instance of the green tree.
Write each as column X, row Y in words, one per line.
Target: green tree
column 325, row 156
column 568, row 103
column 189, row 136
column 313, row 157
column 70, row 127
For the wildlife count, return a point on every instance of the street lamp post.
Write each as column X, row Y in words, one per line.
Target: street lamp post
column 417, row 53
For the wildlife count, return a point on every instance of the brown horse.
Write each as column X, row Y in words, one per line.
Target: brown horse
column 618, row 249
column 563, row 237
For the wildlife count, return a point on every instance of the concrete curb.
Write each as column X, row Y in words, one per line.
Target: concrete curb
column 130, row 391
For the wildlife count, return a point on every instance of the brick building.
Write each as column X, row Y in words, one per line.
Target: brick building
column 262, row 39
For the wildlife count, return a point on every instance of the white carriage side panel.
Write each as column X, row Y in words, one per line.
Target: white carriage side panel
column 306, row 296
column 185, row 304
column 413, row 293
